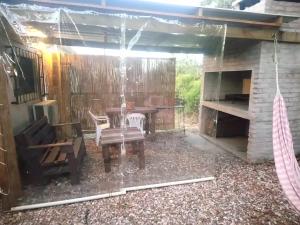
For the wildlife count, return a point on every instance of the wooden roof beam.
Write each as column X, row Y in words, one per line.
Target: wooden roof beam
column 99, row 21
column 198, row 16
column 138, row 47
column 171, row 29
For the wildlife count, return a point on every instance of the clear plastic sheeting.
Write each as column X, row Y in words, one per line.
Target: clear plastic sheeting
column 114, row 65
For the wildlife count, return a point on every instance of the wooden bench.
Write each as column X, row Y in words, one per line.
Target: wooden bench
column 42, row 154
column 112, row 138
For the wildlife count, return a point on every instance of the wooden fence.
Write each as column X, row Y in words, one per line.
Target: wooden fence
column 85, row 82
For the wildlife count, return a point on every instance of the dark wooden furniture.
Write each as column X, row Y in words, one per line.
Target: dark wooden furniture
column 111, row 137
column 42, row 153
column 149, row 112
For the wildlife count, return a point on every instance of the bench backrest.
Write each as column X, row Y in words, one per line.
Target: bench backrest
column 37, row 133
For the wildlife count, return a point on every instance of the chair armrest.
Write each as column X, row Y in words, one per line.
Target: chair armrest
column 50, row 145
column 76, row 125
column 102, row 118
column 65, row 124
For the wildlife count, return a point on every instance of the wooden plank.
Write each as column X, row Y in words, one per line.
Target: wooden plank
column 118, row 135
column 248, row 22
column 115, row 136
column 51, row 157
column 10, row 178
column 236, row 109
column 118, row 130
column 135, row 110
column 233, row 31
column 76, row 146
column 62, row 158
column 44, row 135
column 35, row 127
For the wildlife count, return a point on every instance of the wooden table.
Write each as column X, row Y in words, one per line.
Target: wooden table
column 149, row 112
column 112, row 137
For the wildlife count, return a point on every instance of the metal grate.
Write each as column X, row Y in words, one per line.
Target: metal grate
column 28, row 77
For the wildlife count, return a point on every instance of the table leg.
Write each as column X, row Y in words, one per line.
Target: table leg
column 111, row 120
column 106, row 158
column 119, row 157
column 141, row 154
column 147, row 123
column 152, row 123
column 134, row 147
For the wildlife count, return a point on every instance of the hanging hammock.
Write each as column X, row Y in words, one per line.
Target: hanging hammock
column 286, row 164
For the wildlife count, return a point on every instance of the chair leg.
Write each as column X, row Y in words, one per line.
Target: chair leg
column 98, row 135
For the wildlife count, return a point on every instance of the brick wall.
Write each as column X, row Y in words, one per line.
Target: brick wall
column 282, row 7
column 263, row 92
column 238, row 55
column 258, row 57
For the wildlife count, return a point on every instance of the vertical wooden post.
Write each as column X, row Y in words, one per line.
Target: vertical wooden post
column 59, row 89
column 12, row 178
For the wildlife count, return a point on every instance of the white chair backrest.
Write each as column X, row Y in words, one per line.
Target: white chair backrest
column 94, row 118
column 98, row 128
column 136, row 120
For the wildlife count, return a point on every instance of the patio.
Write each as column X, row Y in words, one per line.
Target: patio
column 68, row 60
column 169, row 158
column 242, row 194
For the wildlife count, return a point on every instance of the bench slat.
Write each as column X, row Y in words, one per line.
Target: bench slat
column 35, row 127
column 45, row 135
column 62, row 158
column 51, row 157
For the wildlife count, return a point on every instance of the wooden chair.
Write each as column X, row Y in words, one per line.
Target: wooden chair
column 42, row 154
column 136, row 120
column 98, row 120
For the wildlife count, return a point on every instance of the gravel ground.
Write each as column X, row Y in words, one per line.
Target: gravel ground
column 241, row 194
column 168, row 158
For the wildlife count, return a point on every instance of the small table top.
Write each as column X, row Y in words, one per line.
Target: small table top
column 135, row 110
column 114, row 135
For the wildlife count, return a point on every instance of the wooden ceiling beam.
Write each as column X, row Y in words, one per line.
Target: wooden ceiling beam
column 198, row 16
column 138, row 47
column 158, row 41
column 171, row 30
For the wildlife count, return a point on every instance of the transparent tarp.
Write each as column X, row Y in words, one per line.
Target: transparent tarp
column 111, row 66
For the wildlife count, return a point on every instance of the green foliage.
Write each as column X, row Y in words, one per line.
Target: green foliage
column 188, row 83
column 217, row 3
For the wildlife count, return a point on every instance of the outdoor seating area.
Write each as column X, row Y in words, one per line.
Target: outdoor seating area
column 169, row 158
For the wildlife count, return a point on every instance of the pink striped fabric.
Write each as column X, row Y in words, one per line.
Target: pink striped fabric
column 286, row 164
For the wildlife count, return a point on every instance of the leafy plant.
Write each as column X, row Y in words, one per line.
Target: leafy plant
column 188, row 83
column 217, row 3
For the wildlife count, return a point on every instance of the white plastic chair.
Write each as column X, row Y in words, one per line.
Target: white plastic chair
column 98, row 120
column 136, row 120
